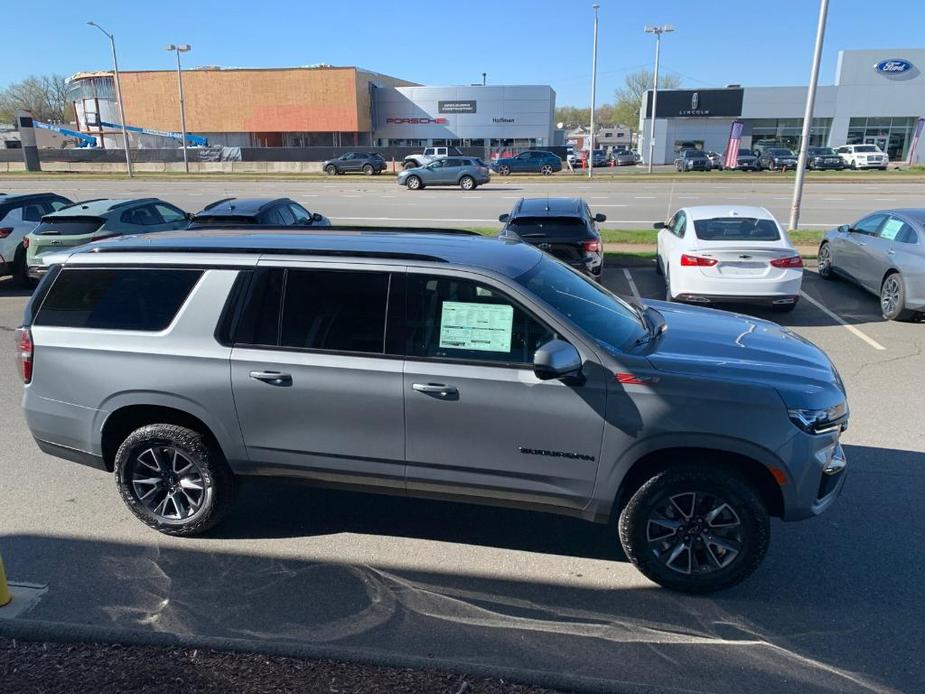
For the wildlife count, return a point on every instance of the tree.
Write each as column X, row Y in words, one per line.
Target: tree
column 629, row 97
column 44, row 95
column 572, row 116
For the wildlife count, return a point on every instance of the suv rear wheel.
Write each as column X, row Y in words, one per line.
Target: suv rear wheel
column 695, row 529
column 467, row 183
column 173, row 480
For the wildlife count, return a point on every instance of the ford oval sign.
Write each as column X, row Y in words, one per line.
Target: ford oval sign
column 893, row 66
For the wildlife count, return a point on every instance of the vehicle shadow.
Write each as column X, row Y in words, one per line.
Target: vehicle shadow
column 835, row 607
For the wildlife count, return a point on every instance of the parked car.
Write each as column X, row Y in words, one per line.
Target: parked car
column 884, row 253
column 716, row 160
column 863, row 157
column 369, row 163
column 821, row 158
column 93, row 220
column 692, row 160
column 414, row 161
column 19, row 214
column 728, row 254
column 563, row 227
column 599, row 158
column 532, row 161
column 471, row 368
column 777, row 159
column 466, row 172
column 746, row 160
column 625, row 157
column 273, row 212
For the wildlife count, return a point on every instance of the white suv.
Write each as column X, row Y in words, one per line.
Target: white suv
column 19, row 214
column 863, row 157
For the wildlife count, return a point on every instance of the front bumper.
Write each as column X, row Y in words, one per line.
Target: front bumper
column 36, row 272
column 815, row 472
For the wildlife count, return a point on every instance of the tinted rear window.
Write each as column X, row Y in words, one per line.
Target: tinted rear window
column 117, row 299
column 68, row 226
column 536, row 227
column 736, row 229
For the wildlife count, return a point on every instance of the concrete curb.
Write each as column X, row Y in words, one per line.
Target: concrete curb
column 62, row 632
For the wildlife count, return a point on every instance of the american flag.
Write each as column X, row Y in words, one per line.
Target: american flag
column 732, row 147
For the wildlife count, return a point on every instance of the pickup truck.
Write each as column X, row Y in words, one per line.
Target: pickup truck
column 413, row 161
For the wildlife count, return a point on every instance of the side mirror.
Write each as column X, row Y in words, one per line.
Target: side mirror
column 556, row 359
column 189, row 216
column 659, row 225
column 600, row 217
column 504, row 217
column 844, row 228
column 317, row 217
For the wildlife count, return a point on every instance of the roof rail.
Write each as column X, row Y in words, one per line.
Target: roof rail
column 216, row 203
column 270, row 251
column 400, row 230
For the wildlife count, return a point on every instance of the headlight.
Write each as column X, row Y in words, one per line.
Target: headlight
column 820, row 421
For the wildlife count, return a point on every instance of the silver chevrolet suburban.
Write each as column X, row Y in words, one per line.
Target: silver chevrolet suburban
column 430, row 365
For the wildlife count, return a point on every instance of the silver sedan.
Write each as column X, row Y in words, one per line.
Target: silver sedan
column 884, row 253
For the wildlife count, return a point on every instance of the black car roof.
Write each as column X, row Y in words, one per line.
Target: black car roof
column 6, row 198
column 548, row 207
column 240, row 207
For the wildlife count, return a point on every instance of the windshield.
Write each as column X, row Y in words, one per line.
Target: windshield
column 695, row 154
column 825, row 151
column 866, row 148
column 745, row 153
column 736, row 229
column 780, row 152
column 68, row 226
column 606, row 318
column 537, row 227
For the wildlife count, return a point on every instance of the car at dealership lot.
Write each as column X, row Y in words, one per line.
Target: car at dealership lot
column 599, row 157
column 863, row 157
column 716, row 160
column 692, row 160
column 821, row 158
column 716, row 254
column 466, row 172
column 531, row 161
column 437, row 364
column 624, row 157
column 274, row 212
column 746, row 160
column 369, row 163
column 19, row 214
column 93, row 220
column 563, row 227
column 777, row 159
column 414, row 161
column 884, row 253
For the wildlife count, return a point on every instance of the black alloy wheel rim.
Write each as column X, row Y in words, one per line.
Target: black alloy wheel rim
column 168, row 482
column 695, row 533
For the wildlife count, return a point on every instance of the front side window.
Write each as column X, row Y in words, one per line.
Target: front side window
column 680, row 221
column 286, row 215
column 116, row 299
column 870, row 225
column 302, row 216
column 145, row 215
column 736, row 229
column 170, row 214
column 455, row 318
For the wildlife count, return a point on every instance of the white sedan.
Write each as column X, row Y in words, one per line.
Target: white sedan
column 735, row 254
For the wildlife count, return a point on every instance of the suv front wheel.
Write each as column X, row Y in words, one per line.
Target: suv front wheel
column 695, row 529
column 173, row 480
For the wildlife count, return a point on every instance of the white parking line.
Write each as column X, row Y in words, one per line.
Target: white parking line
column 608, row 205
column 629, row 278
column 833, row 199
column 643, row 197
column 688, row 197
column 886, row 199
column 841, row 321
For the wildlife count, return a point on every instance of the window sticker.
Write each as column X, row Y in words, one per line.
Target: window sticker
column 484, row 327
column 891, row 228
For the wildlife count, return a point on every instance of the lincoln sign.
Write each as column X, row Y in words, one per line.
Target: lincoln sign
column 417, row 121
column 688, row 103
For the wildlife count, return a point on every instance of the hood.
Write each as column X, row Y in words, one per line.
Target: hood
column 730, row 346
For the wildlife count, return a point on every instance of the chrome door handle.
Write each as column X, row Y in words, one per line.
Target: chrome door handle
column 274, row 378
column 440, row 389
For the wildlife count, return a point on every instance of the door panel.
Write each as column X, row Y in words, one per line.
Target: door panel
column 853, row 253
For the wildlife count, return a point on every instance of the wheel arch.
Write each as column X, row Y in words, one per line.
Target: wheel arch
column 890, row 271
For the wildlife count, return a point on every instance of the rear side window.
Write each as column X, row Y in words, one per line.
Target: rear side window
column 217, row 220
column 736, row 229
column 116, row 299
column 68, row 226
column 558, row 227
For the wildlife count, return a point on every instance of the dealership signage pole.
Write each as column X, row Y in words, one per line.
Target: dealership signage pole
column 658, row 31
column 115, row 69
column 593, row 96
column 178, row 49
column 808, row 117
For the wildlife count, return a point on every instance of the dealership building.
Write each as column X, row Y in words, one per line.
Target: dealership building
column 877, row 97
column 311, row 107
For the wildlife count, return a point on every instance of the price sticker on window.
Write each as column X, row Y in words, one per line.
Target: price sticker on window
column 891, row 228
column 483, row 327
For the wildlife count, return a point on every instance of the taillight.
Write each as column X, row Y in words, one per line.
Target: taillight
column 24, row 349
column 697, row 261
column 25, row 242
column 5, row 231
column 592, row 246
column 792, row 261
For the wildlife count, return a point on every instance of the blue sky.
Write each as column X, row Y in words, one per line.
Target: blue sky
column 452, row 42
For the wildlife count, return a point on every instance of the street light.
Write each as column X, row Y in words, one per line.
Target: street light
column 593, row 95
column 115, row 68
column 808, row 117
column 178, row 49
column 658, row 31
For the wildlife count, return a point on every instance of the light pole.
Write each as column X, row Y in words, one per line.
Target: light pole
column 658, row 31
column 590, row 159
column 808, row 117
column 178, row 49
column 115, row 69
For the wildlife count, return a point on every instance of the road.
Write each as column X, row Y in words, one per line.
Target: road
column 627, row 204
column 836, row 605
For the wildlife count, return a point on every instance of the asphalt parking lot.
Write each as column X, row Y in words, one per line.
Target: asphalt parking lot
column 836, row 605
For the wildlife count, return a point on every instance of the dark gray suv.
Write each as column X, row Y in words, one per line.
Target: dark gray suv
column 431, row 365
